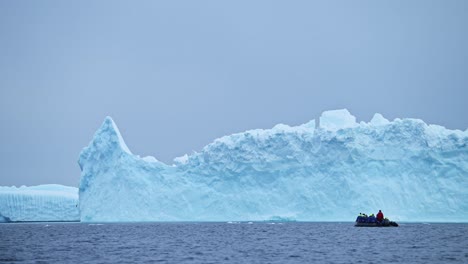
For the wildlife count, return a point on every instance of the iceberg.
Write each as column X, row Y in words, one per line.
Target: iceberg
column 50, row 202
column 326, row 172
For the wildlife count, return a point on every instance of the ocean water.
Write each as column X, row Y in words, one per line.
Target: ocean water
column 246, row 242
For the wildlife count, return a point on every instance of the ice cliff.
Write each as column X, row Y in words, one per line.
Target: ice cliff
column 51, row 202
column 410, row 170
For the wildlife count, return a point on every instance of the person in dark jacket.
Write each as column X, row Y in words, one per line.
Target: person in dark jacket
column 380, row 216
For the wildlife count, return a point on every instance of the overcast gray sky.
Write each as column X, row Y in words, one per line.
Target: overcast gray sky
column 175, row 75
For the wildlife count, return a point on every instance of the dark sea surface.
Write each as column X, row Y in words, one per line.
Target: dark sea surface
column 246, row 242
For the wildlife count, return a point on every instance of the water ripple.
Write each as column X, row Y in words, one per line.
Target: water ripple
column 233, row 243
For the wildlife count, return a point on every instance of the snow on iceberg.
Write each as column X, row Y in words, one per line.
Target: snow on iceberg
column 410, row 170
column 50, row 202
column 337, row 119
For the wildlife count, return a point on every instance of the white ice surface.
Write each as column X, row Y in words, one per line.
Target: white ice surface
column 334, row 120
column 379, row 120
column 410, row 170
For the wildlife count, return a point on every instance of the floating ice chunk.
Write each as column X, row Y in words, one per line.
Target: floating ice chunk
column 337, row 119
column 50, row 202
column 408, row 169
column 281, row 219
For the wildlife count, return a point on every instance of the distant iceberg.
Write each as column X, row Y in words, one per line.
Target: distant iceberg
column 51, row 202
column 410, row 170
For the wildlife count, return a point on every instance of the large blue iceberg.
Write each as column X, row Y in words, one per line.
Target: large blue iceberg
column 49, row 202
column 410, row 170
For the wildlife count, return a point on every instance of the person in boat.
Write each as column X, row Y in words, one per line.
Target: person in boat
column 359, row 218
column 380, row 216
column 371, row 218
column 362, row 218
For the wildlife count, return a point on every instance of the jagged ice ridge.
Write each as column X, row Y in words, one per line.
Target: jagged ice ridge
column 410, row 170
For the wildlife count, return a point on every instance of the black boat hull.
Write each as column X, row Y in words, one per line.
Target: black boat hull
column 390, row 224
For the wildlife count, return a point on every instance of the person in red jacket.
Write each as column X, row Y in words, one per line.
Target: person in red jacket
column 379, row 216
